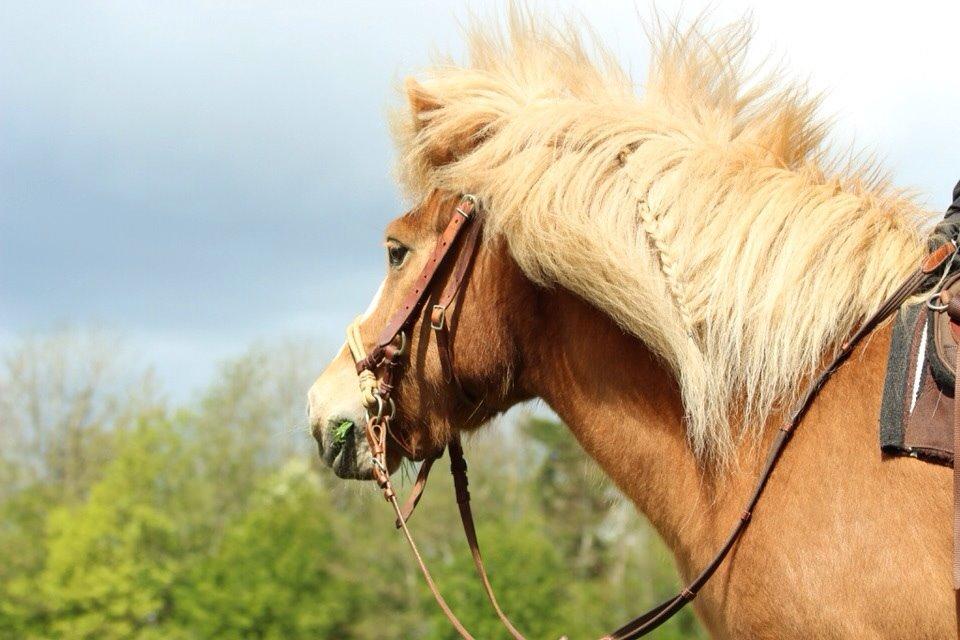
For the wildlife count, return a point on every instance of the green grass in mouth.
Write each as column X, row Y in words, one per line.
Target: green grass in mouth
column 340, row 433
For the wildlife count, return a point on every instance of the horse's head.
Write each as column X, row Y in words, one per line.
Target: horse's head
column 435, row 394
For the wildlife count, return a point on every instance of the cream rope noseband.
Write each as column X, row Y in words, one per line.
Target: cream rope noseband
column 378, row 367
column 368, row 379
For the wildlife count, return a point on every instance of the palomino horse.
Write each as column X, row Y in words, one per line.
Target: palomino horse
column 669, row 273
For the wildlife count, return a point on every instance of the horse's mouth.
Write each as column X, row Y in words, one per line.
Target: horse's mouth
column 345, row 452
column 333, row 456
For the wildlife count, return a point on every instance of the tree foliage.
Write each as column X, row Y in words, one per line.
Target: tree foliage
column 212, row 520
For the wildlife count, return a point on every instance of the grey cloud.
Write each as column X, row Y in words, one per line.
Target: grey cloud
column 200, row 175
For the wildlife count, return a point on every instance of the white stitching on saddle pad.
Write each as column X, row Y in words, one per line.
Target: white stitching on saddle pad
column 918, row 367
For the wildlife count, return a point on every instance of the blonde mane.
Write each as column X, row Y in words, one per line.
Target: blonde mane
column 704, row 214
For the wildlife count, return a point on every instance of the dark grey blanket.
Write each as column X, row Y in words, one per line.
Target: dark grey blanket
column 895, row 387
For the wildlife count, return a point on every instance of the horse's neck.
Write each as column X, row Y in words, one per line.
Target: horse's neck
column 625, row 410
column 831, row 513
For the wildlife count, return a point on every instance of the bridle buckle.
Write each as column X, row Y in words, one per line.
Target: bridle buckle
column 438, row 317
column 472, row 200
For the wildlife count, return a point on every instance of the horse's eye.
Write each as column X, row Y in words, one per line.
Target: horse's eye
column 397, row 254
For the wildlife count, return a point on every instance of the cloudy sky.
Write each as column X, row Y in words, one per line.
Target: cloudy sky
column 198, row 176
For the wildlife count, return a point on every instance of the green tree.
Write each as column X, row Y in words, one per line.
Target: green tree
column 63, row 396
column 250, row 419
column 112, row 562
column 524, row 567
column 273, row 576
column 144, row 524
column 620, row 566
column 23, row 518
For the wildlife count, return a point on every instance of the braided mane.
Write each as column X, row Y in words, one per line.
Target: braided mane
column 703, row 214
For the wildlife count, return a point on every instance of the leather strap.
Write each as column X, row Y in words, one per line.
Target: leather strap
column 938, row 256
column 439, row 314
column 441, row 326
column 416, row 492
column 407, row 310
column 458, row 467
column 426, row 574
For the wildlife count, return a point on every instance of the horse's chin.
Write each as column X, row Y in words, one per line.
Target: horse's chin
column 352, row 466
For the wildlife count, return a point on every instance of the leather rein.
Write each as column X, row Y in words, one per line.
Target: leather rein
column 378, row 371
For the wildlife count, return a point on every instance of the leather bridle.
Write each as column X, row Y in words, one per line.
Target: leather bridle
column 378, row 370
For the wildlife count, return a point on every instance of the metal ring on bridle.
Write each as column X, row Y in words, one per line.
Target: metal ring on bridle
column 403, row 343
column 381, row 405
column 935, row 306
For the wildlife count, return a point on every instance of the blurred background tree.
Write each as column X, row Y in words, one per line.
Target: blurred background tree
column 124, row 517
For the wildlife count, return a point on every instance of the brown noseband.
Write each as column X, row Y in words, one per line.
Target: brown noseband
column 377, row 370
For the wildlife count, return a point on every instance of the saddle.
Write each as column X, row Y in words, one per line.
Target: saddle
column 919, row 399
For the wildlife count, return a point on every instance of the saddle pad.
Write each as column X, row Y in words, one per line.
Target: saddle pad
column 916, row 416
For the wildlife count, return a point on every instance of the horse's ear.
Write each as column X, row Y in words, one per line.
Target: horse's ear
column 447, row 142
column 421, row 101
column 442, row 149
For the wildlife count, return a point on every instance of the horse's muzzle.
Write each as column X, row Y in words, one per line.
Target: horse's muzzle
column 337, row 420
